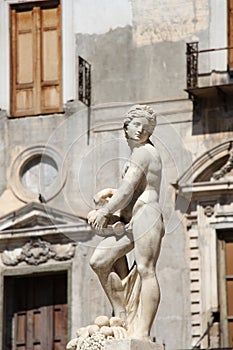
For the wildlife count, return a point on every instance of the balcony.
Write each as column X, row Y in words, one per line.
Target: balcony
column 204, row 80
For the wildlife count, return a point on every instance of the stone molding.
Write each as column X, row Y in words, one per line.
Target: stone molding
column 203, row 162
column 19, row 165
column 37, row 220
column 209, row 210
column 195, row 277
column 191, row 220
column 210, row 192
column 208, row 207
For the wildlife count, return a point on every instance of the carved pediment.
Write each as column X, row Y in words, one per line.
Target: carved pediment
column 36, row 219
column 37, row 215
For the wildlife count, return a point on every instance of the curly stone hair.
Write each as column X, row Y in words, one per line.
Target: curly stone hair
column 138, row 111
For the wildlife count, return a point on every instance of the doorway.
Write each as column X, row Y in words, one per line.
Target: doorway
column 35, row 312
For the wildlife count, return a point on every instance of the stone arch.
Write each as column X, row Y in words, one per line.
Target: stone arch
column 210, row 212
column 203, row 167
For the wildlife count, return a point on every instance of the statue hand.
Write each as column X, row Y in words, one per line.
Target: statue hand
column 98, row 219
column 91, row 216
column 103, row 196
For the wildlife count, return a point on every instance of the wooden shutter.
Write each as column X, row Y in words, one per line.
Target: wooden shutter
column 36, row 82
column 230, row 34
column 22, row 58
column 51, row 60
column 36, row 310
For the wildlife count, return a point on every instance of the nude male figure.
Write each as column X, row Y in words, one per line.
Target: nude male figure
column 137, row 198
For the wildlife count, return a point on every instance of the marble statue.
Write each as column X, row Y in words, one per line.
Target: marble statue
column 130, row 217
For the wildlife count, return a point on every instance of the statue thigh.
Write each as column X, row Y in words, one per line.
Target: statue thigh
column 148, row 230
column 109, row 250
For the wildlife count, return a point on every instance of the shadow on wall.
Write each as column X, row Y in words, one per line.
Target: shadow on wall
column 213, row 115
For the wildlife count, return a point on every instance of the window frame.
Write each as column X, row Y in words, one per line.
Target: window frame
column 34, row 100
column 20, row 271
column 223, row 238
column 69, row 85
column 10, row 323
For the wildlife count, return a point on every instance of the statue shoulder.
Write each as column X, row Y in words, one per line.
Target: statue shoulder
column 152, row 151
column 140, row 155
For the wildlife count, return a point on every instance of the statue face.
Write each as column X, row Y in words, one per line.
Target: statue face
column 139, row 129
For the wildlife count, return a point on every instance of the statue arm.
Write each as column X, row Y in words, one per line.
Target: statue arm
column 136, row 171
column 102, row 197
column 123, row 195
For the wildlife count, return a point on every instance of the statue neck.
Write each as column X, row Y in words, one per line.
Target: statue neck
column 134, row 144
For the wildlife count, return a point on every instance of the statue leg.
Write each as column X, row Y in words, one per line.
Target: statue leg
column 121, row 267
column 110, row 250
column 148, row 231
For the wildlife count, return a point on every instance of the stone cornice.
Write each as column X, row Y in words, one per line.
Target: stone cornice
column 199, row 187
column 39, row 220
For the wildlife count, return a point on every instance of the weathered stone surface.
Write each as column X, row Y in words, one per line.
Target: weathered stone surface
column 132, row 344
column 102, row 321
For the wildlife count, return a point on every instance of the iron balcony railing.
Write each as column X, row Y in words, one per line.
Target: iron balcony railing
column 84, row 94
column 192, row 54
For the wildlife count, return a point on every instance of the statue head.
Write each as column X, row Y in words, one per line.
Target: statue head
column 140, row 111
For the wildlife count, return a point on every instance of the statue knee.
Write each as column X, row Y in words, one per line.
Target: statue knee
column 97, row 264
column 94, row 263
column 145, row 271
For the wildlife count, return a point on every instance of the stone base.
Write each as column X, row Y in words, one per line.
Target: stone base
column 132, row 344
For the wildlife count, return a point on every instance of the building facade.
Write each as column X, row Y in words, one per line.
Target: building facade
column 69, row 71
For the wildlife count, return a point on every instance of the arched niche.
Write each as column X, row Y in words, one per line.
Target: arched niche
column 201, row 179
column 209, row 198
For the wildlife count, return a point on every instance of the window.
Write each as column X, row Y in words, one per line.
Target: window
column 226, row 288
column 36, row 81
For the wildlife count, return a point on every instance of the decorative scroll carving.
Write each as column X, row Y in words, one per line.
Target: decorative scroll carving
column 226, row 168
column 37, row 252
column 208, row 207
column 209, row 210
column 11, row 257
